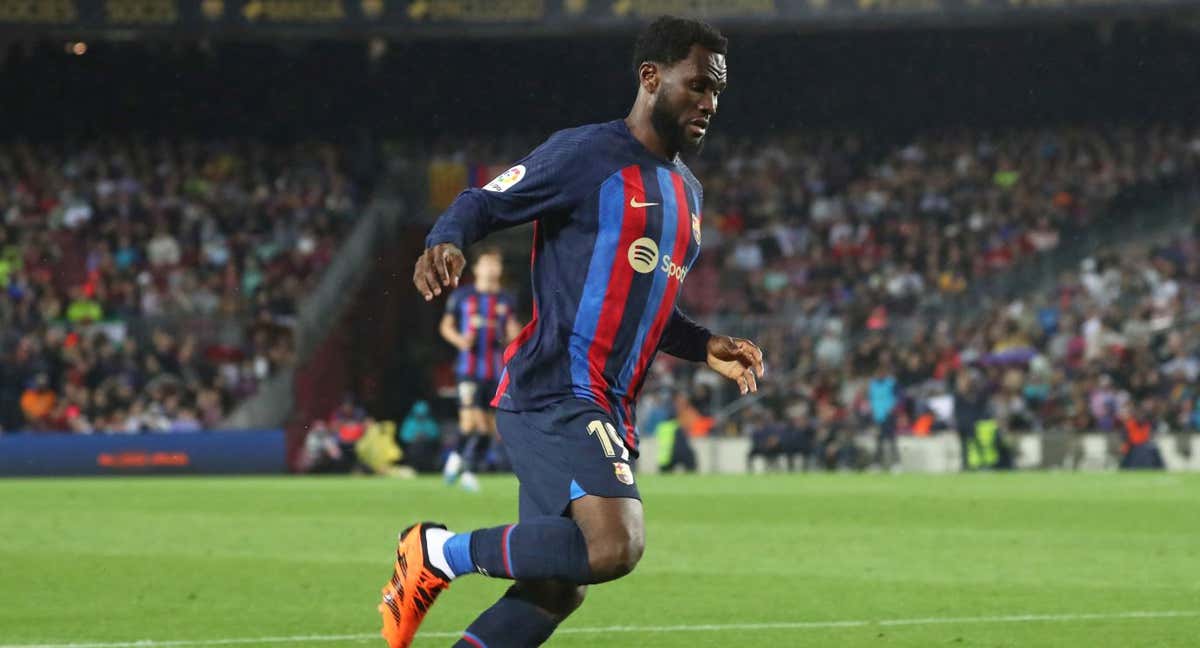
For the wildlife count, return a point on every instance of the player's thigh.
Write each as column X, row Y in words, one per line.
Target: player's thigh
column 466, row 422
column 538, row 460
column 614, row 529
column 564, row 452
column 483, row 420
column 605, row 502
column 485, row 414
column 468, row 397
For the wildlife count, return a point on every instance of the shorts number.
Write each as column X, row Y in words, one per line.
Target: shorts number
column 466, row 394
column 607, row 434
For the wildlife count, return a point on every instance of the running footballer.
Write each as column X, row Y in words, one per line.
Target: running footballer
column 617, row 218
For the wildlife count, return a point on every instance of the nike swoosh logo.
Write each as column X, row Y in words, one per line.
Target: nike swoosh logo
column 635, row 204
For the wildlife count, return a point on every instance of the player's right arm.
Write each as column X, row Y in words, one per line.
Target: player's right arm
column 542, row 184
column 440, row 265
column 451, row 334
column 737, row 359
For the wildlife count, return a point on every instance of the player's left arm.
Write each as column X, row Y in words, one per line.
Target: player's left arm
column 738, row 359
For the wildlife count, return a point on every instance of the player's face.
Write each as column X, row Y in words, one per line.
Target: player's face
column 487, row 269
column 687, row 99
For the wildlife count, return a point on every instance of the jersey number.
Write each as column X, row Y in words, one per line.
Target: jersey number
column 607, row 434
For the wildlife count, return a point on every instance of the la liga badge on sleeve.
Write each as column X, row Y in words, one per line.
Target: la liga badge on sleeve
column 506, row 180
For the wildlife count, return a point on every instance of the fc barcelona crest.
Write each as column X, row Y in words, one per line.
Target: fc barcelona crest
column 624, row 473
column 696, row 227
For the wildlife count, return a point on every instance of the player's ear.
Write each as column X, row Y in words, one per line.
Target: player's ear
column 648, row 76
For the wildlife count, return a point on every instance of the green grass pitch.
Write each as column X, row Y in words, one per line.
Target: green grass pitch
column 780, row 560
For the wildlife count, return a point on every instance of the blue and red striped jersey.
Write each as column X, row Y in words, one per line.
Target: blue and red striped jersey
column 616, row 230
column 482, row 316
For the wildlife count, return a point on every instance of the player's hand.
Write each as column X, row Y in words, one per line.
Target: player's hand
column 737, row 359
column 440, row 265
column 468, row 341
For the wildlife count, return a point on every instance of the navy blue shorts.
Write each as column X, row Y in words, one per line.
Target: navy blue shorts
column 563, row 452
column 475, row 394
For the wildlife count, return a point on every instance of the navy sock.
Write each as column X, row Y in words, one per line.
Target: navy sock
column 468, row 451
column 457, row 552
column 541, row 547
column 464, row 441
column 477, row 459
column 511, row 622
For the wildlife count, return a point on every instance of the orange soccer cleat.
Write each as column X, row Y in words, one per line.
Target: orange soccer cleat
column 414, row 585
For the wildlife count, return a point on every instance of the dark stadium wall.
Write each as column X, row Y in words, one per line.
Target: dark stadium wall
column 320, row 383
column 883, row 80
column 378, row 350
column 393, row 332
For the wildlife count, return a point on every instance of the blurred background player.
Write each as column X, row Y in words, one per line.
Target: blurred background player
column 479, row 322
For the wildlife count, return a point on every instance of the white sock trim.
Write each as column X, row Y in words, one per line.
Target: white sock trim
column 435, row 542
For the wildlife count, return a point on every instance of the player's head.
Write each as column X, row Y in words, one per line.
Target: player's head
column 489, row 264
column 680, row 66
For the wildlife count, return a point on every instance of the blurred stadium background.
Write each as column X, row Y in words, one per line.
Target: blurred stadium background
column 211, row 210
column 966, row 233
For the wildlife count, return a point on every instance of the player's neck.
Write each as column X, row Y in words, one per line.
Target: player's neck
column 487, row 287
column 643, row 131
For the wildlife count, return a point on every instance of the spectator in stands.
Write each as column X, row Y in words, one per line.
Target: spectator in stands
column 970, row 407
column 1138, row 447
column 766, row 441
column 97, row 236
column 882, row 395
column 37, row 403
column 801, row 438
column 321, row 453
column 420, row 437
column 674, row 445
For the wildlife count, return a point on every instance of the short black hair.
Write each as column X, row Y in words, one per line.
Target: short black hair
column 668, row 40
column 489, row 250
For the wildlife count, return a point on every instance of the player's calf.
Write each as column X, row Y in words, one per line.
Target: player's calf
column 603, row 540
column 537, row 548
column 556, row 597
column 525, row 616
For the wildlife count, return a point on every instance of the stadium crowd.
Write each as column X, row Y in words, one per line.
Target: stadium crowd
column 808, row 222
column 1113, row 347
column 148, row 286
column 802, row 223
column 857, row 250
column 833, row 265
column 824, row 244
column 151, row 286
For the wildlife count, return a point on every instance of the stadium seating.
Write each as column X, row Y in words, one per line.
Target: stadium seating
column 819, row 246
column 149, row 286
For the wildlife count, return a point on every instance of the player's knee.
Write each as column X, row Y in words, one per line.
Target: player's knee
column 615, row 556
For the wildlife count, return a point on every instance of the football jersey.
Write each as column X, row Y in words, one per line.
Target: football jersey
column 483, row 316
column 616, row 230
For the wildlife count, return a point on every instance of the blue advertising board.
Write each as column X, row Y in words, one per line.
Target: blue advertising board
column 201, row 453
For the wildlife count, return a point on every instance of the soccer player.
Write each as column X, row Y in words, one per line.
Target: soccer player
column 478, row 322
column 616, row 228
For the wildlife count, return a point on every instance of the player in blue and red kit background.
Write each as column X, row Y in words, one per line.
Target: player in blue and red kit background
column 617, row 221
column 479, row 322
